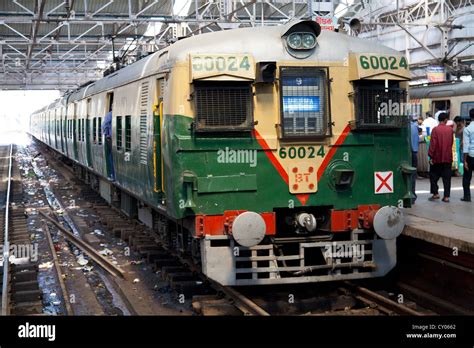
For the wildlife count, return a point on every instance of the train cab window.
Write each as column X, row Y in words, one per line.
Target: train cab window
column 304, row 102
column 119, row 133
column 128, row 134
column 223, row 106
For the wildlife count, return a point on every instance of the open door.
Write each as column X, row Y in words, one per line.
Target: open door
column 157, row 125
column 88, row 139
column 108, row 155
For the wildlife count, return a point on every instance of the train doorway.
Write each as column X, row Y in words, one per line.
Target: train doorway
column 107, row 133
column 88, row 134
column 157, row 127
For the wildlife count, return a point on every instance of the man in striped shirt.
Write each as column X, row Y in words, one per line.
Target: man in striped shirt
column 468, row 150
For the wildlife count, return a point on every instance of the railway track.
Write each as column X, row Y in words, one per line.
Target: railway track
column 19, row 272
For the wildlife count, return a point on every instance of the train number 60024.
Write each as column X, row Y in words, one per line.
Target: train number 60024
column 300, row 152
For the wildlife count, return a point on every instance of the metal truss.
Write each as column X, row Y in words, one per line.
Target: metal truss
column 427, row 31
column 61, row 44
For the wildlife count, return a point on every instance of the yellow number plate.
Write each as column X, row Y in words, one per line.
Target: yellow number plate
column 204, row 66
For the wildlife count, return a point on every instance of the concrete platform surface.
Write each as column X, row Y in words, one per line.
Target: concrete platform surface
column 447, row 224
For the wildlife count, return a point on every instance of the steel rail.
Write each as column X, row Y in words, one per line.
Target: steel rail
column 383, row 301
column 6, row 243
column 93, row 254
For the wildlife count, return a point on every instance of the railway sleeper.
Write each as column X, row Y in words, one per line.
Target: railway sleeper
column 27, row 308
column 167, row 270
column 24, row 276
column 26, row 296
column 188, row 288
column 26, row 285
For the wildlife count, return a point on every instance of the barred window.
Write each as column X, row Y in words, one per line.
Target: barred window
column 119, row 133
column 375, row 103
column 304, row 101
column 94, row 130
column 223, row 106
column 128, row 133
column 99, row 131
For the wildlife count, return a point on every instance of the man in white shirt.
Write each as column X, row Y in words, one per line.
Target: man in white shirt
column 428, row 124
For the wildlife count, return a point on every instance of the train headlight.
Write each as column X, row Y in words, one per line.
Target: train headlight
column 301, row 41
column 389, row 222
column 295, row 40
column 309, row 41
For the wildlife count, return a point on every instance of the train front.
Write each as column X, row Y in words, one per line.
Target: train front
column 293, row 159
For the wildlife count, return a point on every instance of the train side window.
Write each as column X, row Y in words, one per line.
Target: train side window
column 304, row 103
column 119, row 133
column 110, row 101
column 465, row 108
column 223, row 106
column 94, row 130
column 440, row 105
column 128, row 134
column 99, row 128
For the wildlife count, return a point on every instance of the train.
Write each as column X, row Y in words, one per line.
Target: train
column 453, row 96
column 261, row 153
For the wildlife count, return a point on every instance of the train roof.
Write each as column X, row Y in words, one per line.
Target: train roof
column 263, row 43
column 450, row 89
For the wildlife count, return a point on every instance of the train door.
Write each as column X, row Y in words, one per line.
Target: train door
column 88, row 133
column 62, row 127
column 49, row 128
column 107, row 149
column 157, row 141
column 66, row 133
column 74, row 133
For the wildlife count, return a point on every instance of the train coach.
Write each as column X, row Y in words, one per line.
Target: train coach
column 260, row 152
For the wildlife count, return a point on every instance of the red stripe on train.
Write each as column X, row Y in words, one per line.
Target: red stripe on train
column 303, row 198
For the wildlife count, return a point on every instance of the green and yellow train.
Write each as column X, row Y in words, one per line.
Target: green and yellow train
column 260, row 152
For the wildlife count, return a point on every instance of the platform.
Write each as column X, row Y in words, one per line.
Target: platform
column 447, row 224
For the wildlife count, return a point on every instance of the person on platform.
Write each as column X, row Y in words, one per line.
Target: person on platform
column 415, row 141
column 441, row 158
column 468, row 153
column 429, row 124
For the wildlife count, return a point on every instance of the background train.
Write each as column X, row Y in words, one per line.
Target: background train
column 457, row 97
column 260, row 152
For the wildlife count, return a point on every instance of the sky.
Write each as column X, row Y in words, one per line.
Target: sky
column 15, row 108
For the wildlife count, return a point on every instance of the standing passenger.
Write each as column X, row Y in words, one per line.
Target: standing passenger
column 107, row 131
column 441, row 158
column 468, row 152
column 429, row 124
